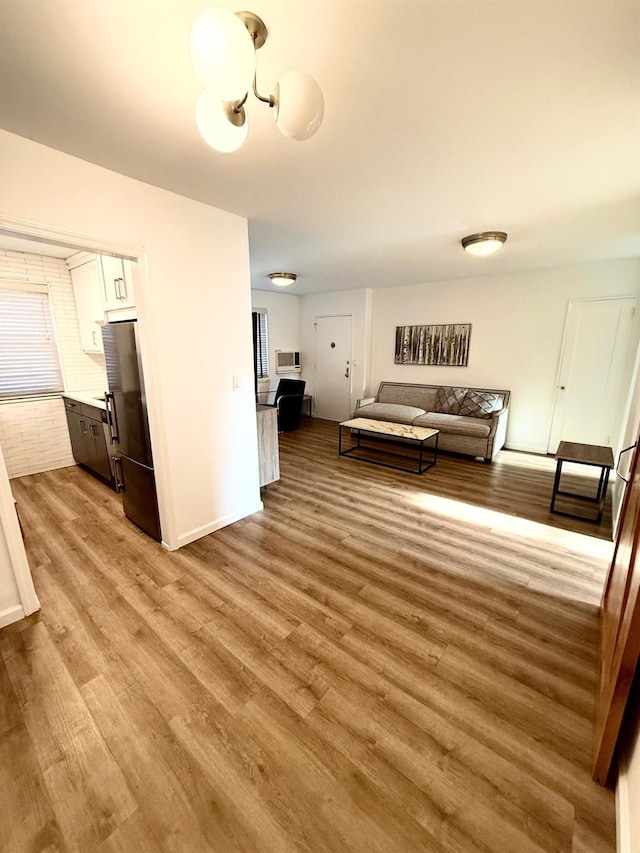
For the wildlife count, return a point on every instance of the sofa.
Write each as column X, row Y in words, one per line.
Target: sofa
column 470, row 420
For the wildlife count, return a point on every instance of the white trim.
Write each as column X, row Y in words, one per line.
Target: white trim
column 81, row 242
column 199, row 532
column 529, row 448
column 11, row 615
column 12, row 227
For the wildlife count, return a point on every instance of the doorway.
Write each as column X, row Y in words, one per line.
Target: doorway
column 333, row 367
column 589, row 389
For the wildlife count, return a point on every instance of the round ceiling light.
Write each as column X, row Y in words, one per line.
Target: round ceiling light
column 221, row 127
column 299, row 105
column 222, row 53
column 484, row 243
column 282, row 279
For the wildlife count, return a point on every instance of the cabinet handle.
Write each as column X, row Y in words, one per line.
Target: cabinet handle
column 82, row 428
column 93, row 335
column 116, row 284
column 121, row 292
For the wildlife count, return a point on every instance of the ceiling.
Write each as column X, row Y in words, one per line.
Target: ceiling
column 442, row 117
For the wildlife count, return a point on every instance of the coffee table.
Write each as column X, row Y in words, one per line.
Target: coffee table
column 583, row 454
column 402, row 434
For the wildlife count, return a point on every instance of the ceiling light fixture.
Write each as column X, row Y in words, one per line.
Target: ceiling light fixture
column 484, row 243
column 223, row 52
column 282, row 279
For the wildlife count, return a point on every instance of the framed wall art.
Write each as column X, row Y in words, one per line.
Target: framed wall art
column 438, row 345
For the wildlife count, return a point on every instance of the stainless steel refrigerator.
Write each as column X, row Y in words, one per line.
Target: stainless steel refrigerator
column 129, row 427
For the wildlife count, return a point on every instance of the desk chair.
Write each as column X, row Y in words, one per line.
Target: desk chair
column 288, row 401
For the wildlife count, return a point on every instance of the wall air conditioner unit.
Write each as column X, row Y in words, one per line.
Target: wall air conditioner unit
column 287, row 362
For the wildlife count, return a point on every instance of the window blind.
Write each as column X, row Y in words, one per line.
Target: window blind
column 29, row 362
column 261, row 343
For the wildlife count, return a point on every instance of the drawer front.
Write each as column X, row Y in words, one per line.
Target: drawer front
column 91, row 412
column 72, row 405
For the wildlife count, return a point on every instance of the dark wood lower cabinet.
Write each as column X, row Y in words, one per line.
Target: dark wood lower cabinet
column 88, row 442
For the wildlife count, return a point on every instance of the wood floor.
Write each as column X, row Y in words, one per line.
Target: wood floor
column 376, row 662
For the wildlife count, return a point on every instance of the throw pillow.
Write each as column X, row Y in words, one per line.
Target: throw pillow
column 480, row 404
column 449, row 399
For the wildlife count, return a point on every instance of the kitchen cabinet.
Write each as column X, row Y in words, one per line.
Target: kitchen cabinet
column 87, row 292
column 117, row 277
column 88, row 440
column 101, row 285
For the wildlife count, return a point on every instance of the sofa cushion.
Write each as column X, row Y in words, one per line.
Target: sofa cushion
column 480, row 404
column 408, row 395
column 449, row 399
column 455, row 424
column 393, row 412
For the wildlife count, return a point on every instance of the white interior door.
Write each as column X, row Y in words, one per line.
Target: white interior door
column 333, row 368
column 589, row 393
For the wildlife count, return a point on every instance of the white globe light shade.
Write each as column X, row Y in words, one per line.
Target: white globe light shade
column 485, row 242
column 214, row 125
column 299, row 105
column 222, row 53
column 486, row 247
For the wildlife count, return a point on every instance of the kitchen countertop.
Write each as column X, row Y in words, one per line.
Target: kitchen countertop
column 87, row 397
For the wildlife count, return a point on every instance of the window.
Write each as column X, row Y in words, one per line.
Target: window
column 29, row 363
column 260, row 343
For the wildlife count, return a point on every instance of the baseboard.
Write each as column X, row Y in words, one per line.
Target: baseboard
column 526, row 448
column 199, row 532
column 11, row 614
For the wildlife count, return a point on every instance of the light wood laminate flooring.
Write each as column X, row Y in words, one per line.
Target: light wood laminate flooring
column 376, row 662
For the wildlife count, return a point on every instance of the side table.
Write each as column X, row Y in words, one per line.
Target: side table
column 307, row 401
column 584, row 454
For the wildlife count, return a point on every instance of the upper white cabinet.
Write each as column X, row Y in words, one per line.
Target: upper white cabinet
column 87, row 291
column 117, row 276
column 103, row 290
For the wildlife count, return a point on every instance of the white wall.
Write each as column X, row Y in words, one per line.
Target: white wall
column 357, row 303
column 518, row 323
column 628, row 783
column 283, row 326
column 33, row 433
column 194, row 311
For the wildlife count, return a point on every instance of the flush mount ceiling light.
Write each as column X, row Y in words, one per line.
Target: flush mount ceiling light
column 282, row 279
column 484, row 243
column 223, row 52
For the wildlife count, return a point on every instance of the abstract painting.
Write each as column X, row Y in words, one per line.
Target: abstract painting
column 444, row 345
